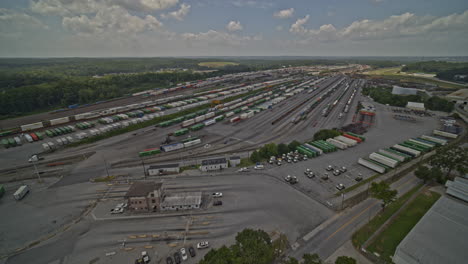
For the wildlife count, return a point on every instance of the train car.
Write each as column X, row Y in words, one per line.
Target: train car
column 32, row 126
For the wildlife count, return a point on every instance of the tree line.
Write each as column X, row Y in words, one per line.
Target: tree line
column 384, row 95
column 443, row 70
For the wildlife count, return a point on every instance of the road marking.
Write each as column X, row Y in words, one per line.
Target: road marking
column 352, row 220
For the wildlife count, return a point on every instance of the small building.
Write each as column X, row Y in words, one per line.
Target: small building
column 163, row 169
column 214, row 164
column 416, row 106
column 144, row 196
column 182, row 201
column 234, row 161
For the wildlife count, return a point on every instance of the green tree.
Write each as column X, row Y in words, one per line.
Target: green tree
column 438, row 175
column 253, row 247
column 325, row 134
column 223, row 255
column 283, row 149
column 255, row 157
column 448, row 158
column 293, row 145
column 345, row 260
column 423, row 173
column 311, row 259
column 382, row 192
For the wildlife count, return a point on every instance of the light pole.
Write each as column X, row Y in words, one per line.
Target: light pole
column 105, row 164
column 37, row 173
column 342, row 200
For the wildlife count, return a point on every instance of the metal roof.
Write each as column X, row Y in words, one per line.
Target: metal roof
column 214, row 161
column 139, row 189
column 439, row 237
column 404, row 91
column 415, row 105
column 182, row 199
column 458, row 188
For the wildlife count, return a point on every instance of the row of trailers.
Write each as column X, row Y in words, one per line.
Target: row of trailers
column 389, row 158
column 318, row 147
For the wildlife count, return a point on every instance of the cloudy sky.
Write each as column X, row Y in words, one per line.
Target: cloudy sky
column 58, row 28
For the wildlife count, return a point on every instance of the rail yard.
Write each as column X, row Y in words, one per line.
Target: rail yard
column 89, row 161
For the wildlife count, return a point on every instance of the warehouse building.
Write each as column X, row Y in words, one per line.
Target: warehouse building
column 440, row 235
column 416, row 106
column 234, row 161
column 404, row 91
column 164, row 169
column 144, row 196
column 214, row 164
column 182, row 201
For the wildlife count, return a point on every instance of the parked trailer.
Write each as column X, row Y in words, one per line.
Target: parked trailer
column 421, row 143
column 347, row 141
column 436, row 140
column 392, row 155
column 181, row 132
column 172, row 147
column 433, row 144
column 32, row 126
column 359, row 140
column 187, row 123
column 192, row 143
column 371, row 165
column 21, row 192
column 409, row 151
column 235, row 119
column 337, row 143
column 414, row 146
column 444, row 134
column 59, row 121
column 319, row 151
column 197, row 127
column 209, row 122
column 384, row 160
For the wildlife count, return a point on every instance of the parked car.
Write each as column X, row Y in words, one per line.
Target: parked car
column 217, row 203
column 217, row 195
column 183, row 253
column 169, row 260
column 358, row 178
column 293, row 180
column 278, row 163
column 191, row 251
column 336, row 172
column 307, row 171
column 329, row 168
column 311, row 175
column 177, row 258
column 259, row 167
column 203, row 244
column 343, row 169
column 340, row 187
column 245, row 169
column 325, row 176
column 287, row 178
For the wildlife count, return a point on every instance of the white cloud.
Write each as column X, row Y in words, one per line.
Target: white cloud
column 178, row 14
column 279, row 28
column 298, row 26
column 111, row 20
column 398, row 26
column 234, row 26
column 284, row 13
column 213, row 37
column 253, row 3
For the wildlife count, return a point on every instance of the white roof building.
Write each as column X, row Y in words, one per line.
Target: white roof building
column 416, row 106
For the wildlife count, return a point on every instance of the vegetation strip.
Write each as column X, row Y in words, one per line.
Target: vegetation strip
column 363, row 234
column 387, row 241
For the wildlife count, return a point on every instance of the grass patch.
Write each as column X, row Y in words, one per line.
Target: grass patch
column 386, row 242
column 104, row 179
column 245, row 162
column 361, row 236
column 190, row 167
column 217, row 64
column 357, row 185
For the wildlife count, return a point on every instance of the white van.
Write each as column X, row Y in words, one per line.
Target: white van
column 21, row 192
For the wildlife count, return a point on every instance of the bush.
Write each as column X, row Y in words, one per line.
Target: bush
column 325, row 134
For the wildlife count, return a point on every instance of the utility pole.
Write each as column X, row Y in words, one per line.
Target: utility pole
column 105, row 164
column 342, row 200
column 143, row 165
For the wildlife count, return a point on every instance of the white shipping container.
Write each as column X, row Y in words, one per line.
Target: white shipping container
column 188, row 122
column 314, row 148
column 393, row 155
column 384, row 160
column 31, row 126
column 172, row 147
column 21, row 192
column 408, row 150
column 420, row 143
column 209, row 122
column 348, row 141
column 199, row 118
column 444, row 134
column 371, row 165
column 229, row 114
column 434, row 139
column 337, row 143
column 192, row 143
column 59, row 121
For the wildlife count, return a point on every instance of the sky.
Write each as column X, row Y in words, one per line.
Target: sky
column 154, row 28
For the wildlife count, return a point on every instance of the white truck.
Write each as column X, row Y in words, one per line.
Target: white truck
column 21, row 192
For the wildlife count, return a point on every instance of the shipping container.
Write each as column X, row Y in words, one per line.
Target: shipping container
column 192, row 143
column 337, row 143
column 190, row 138
column 436, row 140
column 444, row 134
column 181, row 132
column 59, row 121
column 372, row 165
column 430, row 146
column 235, row 119
column 359, row 140
column 33, row 136
column 347, row 141
column 197, row 127
column 384, row 160
column 319, row 151
column 21, row 192
column 172, row 147
column 392, row 155
column 32, row 126
column 406, row 150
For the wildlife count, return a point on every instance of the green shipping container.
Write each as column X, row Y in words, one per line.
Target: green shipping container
column 5, row 143
column 189, row 139
column 49, row 133
column 2, row 191
column 40, row 135
column 11, row 142
column 197, row 127
column 181, row 132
